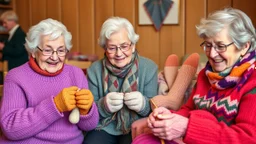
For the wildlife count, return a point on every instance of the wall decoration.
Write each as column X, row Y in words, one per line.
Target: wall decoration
column 158, row 12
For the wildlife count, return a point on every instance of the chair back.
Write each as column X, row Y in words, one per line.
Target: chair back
column 4, row 68
column 1, row 91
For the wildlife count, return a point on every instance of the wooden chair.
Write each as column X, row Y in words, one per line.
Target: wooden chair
column 4, row 67
column 1, row 91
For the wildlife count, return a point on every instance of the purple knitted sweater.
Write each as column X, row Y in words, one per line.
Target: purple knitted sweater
column 28, row 114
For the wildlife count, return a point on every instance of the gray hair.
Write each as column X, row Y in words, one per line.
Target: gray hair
column 115, row 24
column 9, row 15
column 46, row 27
column 240, row 27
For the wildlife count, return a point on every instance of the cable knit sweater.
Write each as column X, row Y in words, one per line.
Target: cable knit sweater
column 212, row 120
column 28, row 112
column 147, row 85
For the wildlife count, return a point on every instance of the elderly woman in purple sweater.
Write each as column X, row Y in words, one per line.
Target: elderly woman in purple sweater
column 39, row 95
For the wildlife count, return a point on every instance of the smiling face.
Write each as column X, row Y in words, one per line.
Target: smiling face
column 224, row 60
column 119, row 58
column 54, row 62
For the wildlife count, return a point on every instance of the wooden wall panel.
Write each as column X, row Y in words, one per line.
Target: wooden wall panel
column 165, row 44
column 126, row 9
column 86, row 26
column 172, row 38
column 148, row 44
column 84, row 19
column 53, row 9
column 178, row 33
column 213, row 5
column 24, row 12
column 247, row 6
column 195, row 10
column 38, row 11
column 103, row 10
column 69, row 17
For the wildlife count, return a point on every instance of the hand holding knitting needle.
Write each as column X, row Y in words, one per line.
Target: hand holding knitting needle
column 154, row 106
column 167, row 125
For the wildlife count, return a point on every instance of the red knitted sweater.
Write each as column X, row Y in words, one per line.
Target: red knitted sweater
column 229, row 118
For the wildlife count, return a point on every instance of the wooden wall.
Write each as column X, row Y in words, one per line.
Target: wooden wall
column 84, row 18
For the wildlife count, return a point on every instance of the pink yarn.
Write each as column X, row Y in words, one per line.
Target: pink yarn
column 149, row 139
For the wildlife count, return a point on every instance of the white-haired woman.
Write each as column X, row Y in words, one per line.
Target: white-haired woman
column 221, row 108
column 122, row 83
column 39, row 95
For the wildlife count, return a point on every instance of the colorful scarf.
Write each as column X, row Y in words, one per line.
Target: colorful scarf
column 229, row 78
column 129, row 73
column 222, row 99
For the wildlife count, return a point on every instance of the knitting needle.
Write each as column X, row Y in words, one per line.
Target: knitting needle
column 154, row 104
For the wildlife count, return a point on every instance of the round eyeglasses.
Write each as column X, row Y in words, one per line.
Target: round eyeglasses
column 49, row 52
column 123, row 48
column 220, row 48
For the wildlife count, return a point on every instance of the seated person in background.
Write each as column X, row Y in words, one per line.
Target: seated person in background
column 13, row 49
column 122, row 83
column 39, row 95
column 221, row 108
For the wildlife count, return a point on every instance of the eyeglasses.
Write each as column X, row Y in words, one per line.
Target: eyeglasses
column 123, row 48
column 220, row 48
column 49, row 52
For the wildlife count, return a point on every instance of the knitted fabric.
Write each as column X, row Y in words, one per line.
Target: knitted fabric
column 111, row 84
column 175, row 96
column 28, row 114
column 150, row 139
column 239, row 74
column 223, row 115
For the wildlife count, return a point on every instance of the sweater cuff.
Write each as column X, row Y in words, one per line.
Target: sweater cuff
column 92, row 113
column 201, row 127
column 102, row 110
column 147, row 109
column 49, row 110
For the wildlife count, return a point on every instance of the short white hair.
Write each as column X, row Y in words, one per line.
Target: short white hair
column 240, row 27
column 47, row 27
column 115, row 24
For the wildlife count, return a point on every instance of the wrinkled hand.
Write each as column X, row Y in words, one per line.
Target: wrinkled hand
column 134, row 101
column 84, row 101
column 167, row 125
column 65, row 100
column 140, row 127
column 114, row 101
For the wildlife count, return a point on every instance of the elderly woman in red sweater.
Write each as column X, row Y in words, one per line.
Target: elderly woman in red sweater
column 221, row 108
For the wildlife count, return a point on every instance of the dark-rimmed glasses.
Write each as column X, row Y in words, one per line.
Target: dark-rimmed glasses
column 49, row 52
column 123, row 48
column 220, row 48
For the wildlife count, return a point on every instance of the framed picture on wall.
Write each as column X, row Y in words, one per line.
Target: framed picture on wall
column 156, row 9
